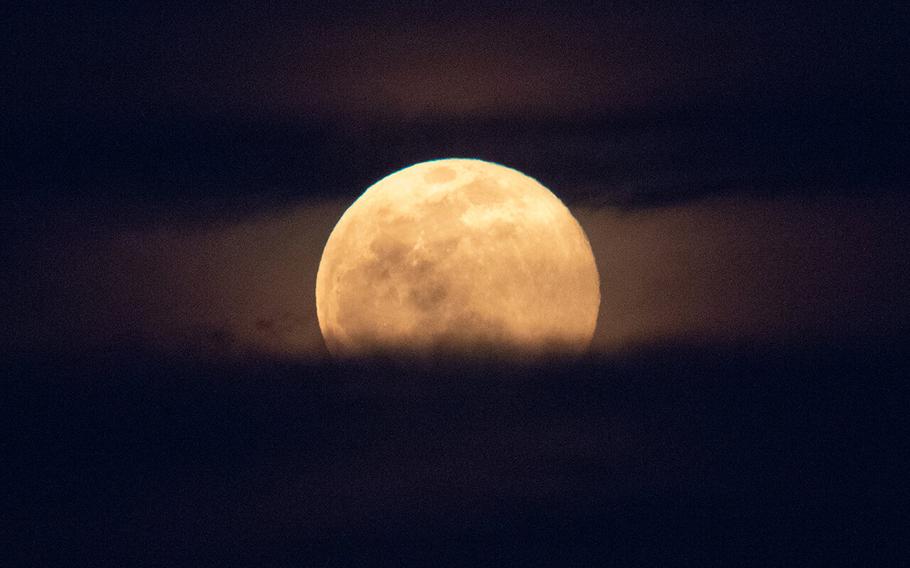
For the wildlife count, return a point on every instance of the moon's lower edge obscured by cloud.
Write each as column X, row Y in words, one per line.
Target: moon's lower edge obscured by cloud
column 457, row 256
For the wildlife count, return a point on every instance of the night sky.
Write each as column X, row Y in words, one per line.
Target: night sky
column 171, row 175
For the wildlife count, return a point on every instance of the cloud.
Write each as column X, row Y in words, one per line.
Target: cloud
column 717, row 270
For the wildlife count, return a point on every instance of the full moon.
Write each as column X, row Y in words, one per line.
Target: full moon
column 457, row 256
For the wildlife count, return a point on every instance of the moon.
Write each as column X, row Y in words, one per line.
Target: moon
column 457, row 256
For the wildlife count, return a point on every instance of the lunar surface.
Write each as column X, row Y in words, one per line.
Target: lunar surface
column 457, row 256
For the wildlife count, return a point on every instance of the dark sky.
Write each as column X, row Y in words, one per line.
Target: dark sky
column 174, row 169
column 170, row 173
column 257, row 97
column 418, row 59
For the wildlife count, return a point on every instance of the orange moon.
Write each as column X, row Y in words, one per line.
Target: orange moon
column 457, row 256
